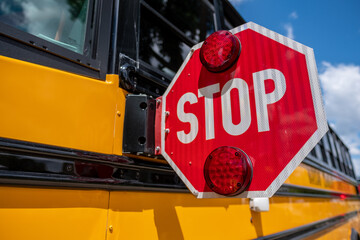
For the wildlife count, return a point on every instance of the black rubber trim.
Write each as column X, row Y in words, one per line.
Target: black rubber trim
column 312, row 228
column 27, row 163
column 37, row 164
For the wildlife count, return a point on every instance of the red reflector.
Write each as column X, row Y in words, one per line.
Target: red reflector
column 228, row 171
column 220, row 51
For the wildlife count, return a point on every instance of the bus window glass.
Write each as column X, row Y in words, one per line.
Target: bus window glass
column 326, row 143
column 323, row 154
column 59, row 22
column 159, row 46
column 332, row 144
column 168, row 29
column 194, row 18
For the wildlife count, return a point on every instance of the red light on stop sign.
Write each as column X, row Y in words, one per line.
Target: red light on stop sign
column 220, row 51
column 228, row 171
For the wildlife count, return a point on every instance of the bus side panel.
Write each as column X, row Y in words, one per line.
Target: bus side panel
column 150, row 215
column 34, row 213
column 45, row 105
column 340, row 232
column 307, row 176
column 154, row 215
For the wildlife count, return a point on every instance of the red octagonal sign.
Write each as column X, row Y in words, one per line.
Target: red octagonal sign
column 268, row 105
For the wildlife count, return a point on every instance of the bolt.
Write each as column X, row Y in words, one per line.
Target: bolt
column 111, row 229
column 237, row 154
column 167, row 131
column 118, row 113
column 189, row 74
column 157, row 149
column 69, row 168
column 190, row 163
column 167, row 113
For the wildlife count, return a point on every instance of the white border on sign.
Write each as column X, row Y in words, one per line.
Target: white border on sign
column 302, row 153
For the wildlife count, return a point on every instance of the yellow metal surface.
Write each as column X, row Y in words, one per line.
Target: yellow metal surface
column 339, row 232
column 36, row 214
column 45, row 105
column 182, row 216
column 119, row 116
column 308, row 176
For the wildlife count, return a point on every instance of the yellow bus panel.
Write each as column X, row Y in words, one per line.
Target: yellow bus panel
column 36, row 213
column 45, row 105
column 182, row 216
column 308, row 176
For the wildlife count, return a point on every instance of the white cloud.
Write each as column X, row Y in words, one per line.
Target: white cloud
column 293, row 15
column 289, row 30
column 341, row 86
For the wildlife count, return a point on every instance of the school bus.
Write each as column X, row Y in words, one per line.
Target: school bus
column 77, row 88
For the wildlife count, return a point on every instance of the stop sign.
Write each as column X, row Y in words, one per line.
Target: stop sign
column 268, row 104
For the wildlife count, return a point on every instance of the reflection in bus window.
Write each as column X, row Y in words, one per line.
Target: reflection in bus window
column 194, row 18
column 161, row 45
column 59, row 22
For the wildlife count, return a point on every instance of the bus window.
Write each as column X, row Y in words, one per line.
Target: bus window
column 323, row 154
column 328, row 150
column 168, row 29
column 60, row 22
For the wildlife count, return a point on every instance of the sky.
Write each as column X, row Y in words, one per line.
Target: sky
column 332, row 29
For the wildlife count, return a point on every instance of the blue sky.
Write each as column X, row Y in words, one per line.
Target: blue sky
column 332, row 29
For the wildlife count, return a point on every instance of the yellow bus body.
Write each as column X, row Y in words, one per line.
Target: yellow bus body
column 47, row 213
column 44, row 105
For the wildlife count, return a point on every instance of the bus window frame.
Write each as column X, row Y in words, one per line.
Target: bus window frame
column 327, row 164
column 92, row 63
column 128, row 43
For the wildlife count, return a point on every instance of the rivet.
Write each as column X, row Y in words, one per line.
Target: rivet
column 167, row 113
column 111, row 229
column 157, row 149
column 118, row 113
column 69, row 168
column 190, row 163
column 167, row 131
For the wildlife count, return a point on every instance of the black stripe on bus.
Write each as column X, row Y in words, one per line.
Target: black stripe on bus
column 33, row 164
column 319, row 227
